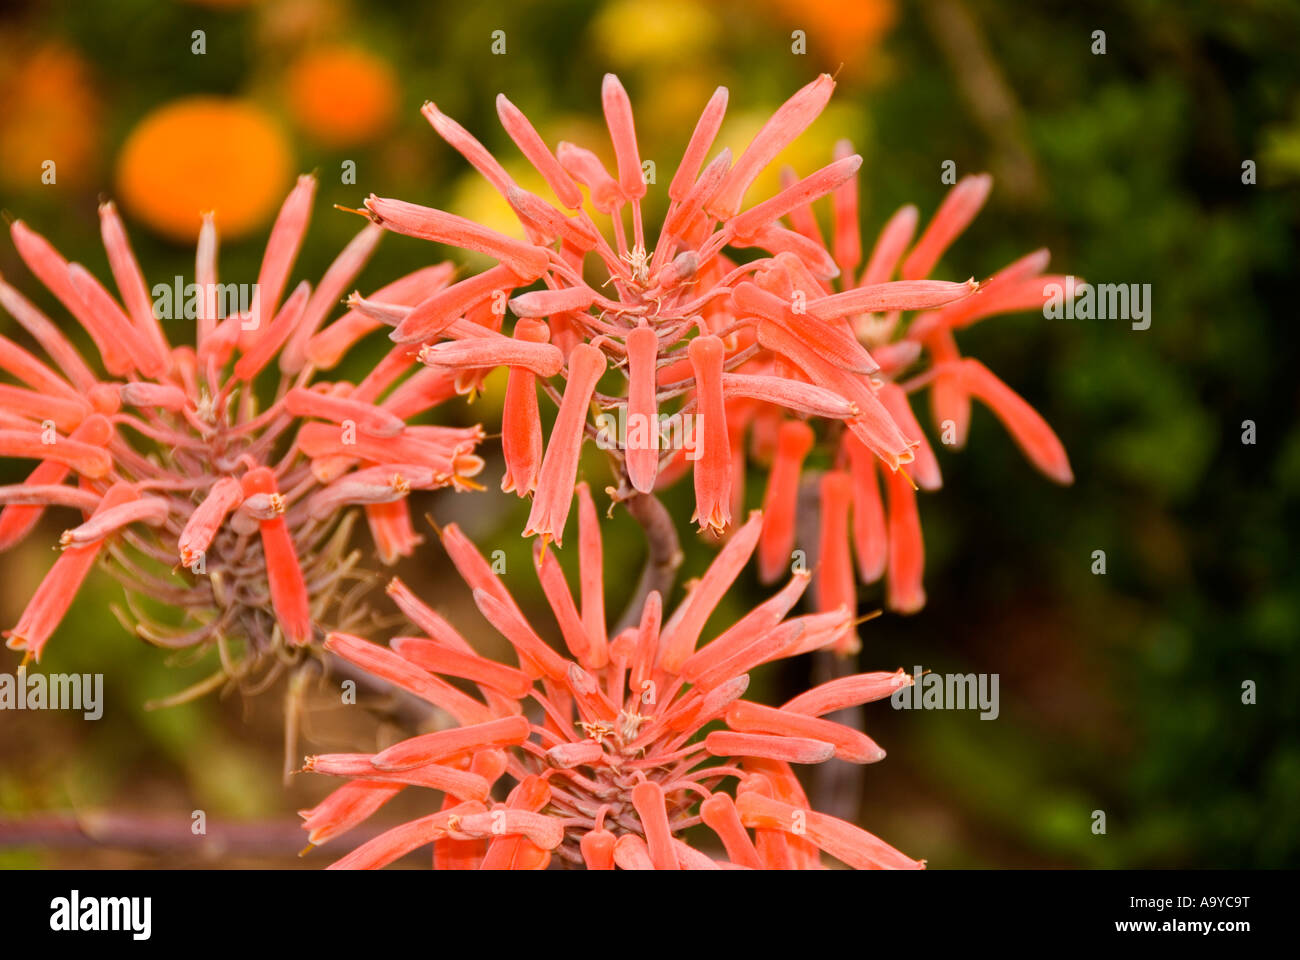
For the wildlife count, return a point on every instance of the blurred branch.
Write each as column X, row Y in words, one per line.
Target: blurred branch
column 989, row 95
column 149, row 833
column 836, row 786
column 662, row 561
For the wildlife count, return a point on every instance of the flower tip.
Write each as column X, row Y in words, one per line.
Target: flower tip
column 1061, row 473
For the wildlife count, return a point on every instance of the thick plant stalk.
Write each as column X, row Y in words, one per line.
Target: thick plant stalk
column 663, row 559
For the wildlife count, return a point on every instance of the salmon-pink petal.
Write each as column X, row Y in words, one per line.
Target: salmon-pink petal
column 283, row 571
column 642, row 409
column 432, row 747
column 54, row 596
column 440, row 658
column 682, row 632
column 538, row 154
column 759, row 622
column 706, row 130
column 376, row 421
column 525, row 261
column 893, row 240
column 521, row 425
column 534, row 654
column 87, row 459
column 266, row 343
column 810, row 188
column 542, row 359
column 591, row 563
column 597, row 848
column 56, row 274
column 442, row 312
column 870, row 535
column 16, row 519
column 472, row 567
column 850, row 745
column 893, row 295
column 724, row 743
column 585, row 167
column 850, row 844
column 847, row 692
column 51, row 339
column 719, row 813
column 925, row 468
column 121, row 344
column 453, row 780
column 346, row 807
column 132, row 286
column 713, row 470
column 630, row 853
column 65, row 412
column 954, row 215
column 395, row 669
column 390, row 524
column 282, row 248
column 465, row 144
column 833, row 344
column 332, row 286
column 399, row 841
column 648, row 799
column 846, row 243
column 551, row 503
column 1030, row 431
column 326, row 348
column 835, row 574
column 790, row 119
column 780, row 502
column 148, row 510
column 905, row 593
column 556, row 588
column 622, row 132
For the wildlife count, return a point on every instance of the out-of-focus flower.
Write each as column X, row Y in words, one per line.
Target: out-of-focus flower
column 341, row 95
column 914, row 353
column 616, row 764
column 673, row 314
column 183, row 459
column 660, row 32
column 51, row 113
column 204, row 153
column 839, row 34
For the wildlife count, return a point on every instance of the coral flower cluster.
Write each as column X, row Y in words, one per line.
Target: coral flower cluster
column 216, row 476
column 220, row 480
column 617, row 750
column 745, row 324
column 915, row 352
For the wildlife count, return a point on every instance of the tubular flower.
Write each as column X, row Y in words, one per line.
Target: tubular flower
column 915, row 348
column 692, row 333
column 619, row 745
column 197, row 492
